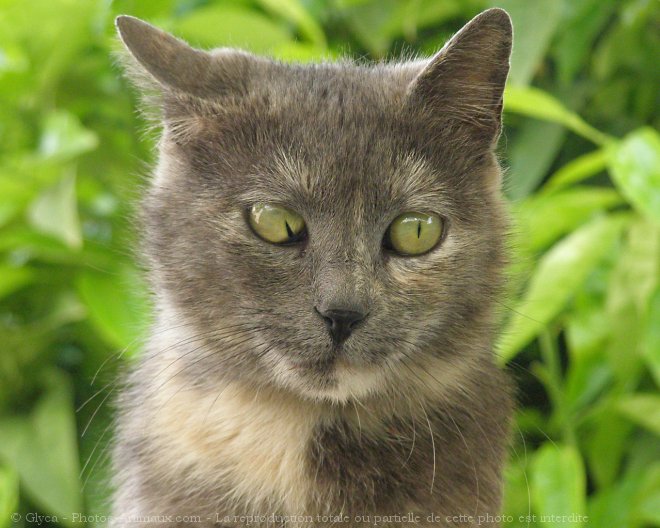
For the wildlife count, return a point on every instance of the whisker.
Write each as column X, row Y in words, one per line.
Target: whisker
column 98, row 408
column 91, row 454
column 432, row 444
column 474, row 467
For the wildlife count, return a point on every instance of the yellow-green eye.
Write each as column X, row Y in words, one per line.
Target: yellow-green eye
column 414, row 233
column 276, row 224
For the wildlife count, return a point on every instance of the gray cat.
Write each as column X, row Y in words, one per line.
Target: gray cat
column 325, row 245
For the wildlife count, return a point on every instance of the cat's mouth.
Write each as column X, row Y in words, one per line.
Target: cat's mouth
column 330, row 358
column 338, row 378
column 349, row 380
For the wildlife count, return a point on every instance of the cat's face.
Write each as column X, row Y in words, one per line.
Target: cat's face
column 343, row 297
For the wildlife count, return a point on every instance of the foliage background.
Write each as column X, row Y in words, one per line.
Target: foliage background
column 582, row 324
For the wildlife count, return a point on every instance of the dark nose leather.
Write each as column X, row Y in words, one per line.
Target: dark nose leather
column 340, row 323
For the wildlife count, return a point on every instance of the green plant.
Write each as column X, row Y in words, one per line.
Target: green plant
column 582, row 324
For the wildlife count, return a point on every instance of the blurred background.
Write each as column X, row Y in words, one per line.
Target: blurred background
column 581, row 324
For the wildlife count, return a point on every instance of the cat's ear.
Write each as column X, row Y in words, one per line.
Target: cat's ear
column 178, row 67
column 464, row 81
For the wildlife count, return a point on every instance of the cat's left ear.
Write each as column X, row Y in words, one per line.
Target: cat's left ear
column 463, row 84
column 180, row 69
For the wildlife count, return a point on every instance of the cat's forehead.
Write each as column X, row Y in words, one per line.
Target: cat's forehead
column 404, row 181
column 341, row 84
column 311, row 111
column 333, row 95
column 328, row 136
column 325, row 102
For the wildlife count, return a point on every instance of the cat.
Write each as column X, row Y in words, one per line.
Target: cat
column 325, row 245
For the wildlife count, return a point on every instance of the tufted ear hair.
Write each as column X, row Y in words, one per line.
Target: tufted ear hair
column 177, row 67
column 463, row 84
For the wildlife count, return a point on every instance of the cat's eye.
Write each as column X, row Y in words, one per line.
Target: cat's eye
column 276, row 224
column 414, row 233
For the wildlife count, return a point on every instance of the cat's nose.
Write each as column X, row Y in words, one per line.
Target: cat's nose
column 340, row 322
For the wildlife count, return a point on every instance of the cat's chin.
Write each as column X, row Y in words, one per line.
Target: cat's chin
column 341, row 382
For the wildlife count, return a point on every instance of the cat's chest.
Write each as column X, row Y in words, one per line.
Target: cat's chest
column 252, row 444
column 280, row 457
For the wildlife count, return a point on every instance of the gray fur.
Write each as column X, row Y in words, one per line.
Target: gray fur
column 349, row 147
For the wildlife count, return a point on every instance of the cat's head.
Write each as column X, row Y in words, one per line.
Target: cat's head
column 331, row 228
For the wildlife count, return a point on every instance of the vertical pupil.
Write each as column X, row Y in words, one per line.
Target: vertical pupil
column 419, row 228
column 289, row 231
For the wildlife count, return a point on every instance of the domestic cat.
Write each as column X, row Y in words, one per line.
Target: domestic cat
column 325, row 245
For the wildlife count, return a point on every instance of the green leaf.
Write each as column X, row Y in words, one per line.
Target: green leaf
column 631, row 284
column 55, row 212
column 614, row 505
column 370, row 23
column 295, row 12
column 377, row 23
column 642, row 252
column 558, row 484
column 651, row 337
column 15, row 192
column 300, row 53
column 52, row 47
column 117, row 303
column 586, row 330
column 643, row 452
column 12, row 279
column 530, row 155
column 605, row 446
column 225, row 25
column 42, row 448
column 586, row 326
column 578, row 169
column 421, row 14
column 146, row 10
column 12, row 58
column 543, row 218
column 557, row 276
column 516, row 500
column 648, row 499
column 34, row 245
column 643, row 409
column 64, row 138
column 538, row 104
column 635, row 168
column 533, row 30
column 585, row 21
column 96, row 470
column 8, row 495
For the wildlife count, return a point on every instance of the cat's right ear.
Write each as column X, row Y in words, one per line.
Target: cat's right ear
column 177, row 67
column 462, row 85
